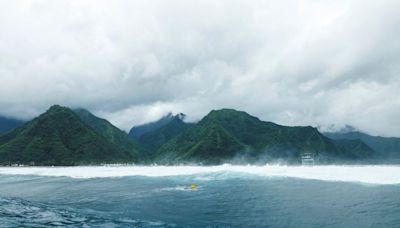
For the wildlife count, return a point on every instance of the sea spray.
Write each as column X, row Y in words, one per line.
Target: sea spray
column 379, row 174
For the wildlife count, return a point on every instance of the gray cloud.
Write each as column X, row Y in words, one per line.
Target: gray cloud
column 293, row 62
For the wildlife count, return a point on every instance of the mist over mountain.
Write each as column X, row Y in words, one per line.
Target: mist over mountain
column 138, row 131
column 200, row 113
column 61, row 136
column 226, row 134
column 293, row 63
column 153, row 140
column 8, row 124
column 385, row 147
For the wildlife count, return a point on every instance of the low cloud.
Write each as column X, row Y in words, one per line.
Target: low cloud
column 291, row 62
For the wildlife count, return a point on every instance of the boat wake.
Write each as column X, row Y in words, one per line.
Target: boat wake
column 381, row 174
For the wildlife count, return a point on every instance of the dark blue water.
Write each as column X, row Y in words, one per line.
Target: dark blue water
column 221, row 200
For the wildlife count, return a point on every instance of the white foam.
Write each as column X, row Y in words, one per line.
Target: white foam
column 177, row 188
column 365, row 174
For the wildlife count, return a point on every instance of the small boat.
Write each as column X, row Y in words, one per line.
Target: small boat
column 307, row 159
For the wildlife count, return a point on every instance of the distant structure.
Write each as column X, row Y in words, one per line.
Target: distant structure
column 307, row 159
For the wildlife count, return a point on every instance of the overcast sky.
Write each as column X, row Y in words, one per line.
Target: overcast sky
column 319, row 63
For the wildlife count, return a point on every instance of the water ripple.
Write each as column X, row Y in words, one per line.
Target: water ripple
column 15, row 212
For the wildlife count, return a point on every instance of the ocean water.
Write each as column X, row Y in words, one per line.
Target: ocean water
column 226, row 196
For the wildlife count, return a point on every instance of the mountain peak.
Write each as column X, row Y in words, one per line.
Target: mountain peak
column 229, row 112
column 180, row 116
column 57, row 109
column 138, row 131
column 228, row 115
column 60, row 137
column 225, row 110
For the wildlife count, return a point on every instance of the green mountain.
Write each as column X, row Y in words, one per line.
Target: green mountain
column 202, row 144
column 108, row 131
column 59, row 137
column 356, row 148
column 153, row 140
column 384, row 148
column 229, row 134
column 8, row 124
column 138, row 131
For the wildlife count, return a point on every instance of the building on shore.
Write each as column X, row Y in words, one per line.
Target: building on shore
column 307, row 158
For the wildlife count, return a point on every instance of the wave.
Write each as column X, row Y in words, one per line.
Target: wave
column 16, row 212
column 379, row 174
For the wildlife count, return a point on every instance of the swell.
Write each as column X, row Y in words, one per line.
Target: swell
column 16, row 212
column 382, row 174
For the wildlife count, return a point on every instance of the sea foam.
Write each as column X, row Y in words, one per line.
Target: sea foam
column 379, row 174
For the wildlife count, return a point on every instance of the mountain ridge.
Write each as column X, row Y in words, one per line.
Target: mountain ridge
column 108, row 131
column 257, row 139
column 138, row 131
column 61, row 136
column 384, row 147
column 58, row 137
column 7, row 124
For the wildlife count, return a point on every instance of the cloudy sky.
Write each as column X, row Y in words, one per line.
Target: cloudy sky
column 319, row 63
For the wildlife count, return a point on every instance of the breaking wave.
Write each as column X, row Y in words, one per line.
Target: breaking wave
column 379, row 174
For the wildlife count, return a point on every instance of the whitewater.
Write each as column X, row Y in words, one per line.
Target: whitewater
column 377, row 174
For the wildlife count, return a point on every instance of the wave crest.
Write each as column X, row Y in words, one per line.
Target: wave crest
column 380, row 174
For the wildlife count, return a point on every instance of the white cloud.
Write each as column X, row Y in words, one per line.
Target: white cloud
column 292, row 62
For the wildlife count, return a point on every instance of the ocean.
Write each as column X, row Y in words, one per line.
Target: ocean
column 223, row 196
